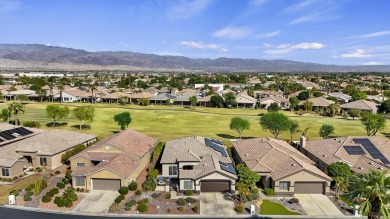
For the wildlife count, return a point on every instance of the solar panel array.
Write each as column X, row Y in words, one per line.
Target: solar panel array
column 13, row 133
column 228, row 167
column 211, row 143
column 370, row 147
column 354, row 150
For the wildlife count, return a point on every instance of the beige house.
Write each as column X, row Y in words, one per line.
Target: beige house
column 112, row 162
column 282, row 102
column 23, row 148
column 362, row 105
column 360, row 153
column 281, row 166
column 245, row 101
column 199, row 164
column 318, row 102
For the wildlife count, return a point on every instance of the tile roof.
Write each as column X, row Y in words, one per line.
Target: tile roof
column 277, row 99
column 164, row 96
column 319, row 101
column 244, row 98
column 360, row 104
column 275, row 157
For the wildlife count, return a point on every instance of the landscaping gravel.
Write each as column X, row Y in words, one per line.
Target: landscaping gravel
column 34, row 203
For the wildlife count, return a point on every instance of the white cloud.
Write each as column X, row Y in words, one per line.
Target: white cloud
column 299, row 6
column 287, row 48
column 309, row 46
column 267, row 45
column 8, row 5
column 357, row 53
column 283, row 46
column 233, row 32
column 373, row 63
column 48, row 44
column 200, row 45
column 187, row 9
column 307, row 18
column 269, row 35
column 258, row 2
column 377, row 34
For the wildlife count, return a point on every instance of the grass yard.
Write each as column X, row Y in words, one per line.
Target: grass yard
column 272, row 208
column 170, row 122
column 21, row 184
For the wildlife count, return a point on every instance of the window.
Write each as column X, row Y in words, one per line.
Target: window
column 188, row 185
column 66, row 98
column 5, row 171
column 188, row 167
column 284, row 185
column 43, row 161
column 80, row 181
column 172, row 170
column 80, row 164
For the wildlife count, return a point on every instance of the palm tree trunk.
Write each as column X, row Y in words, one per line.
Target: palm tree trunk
column 375, row 209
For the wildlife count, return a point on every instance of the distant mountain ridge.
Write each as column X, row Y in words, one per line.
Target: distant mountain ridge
column 44, row 55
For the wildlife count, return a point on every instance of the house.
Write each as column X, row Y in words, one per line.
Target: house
column 282, row 102
column 113, row 97
column 281, row 166
column 136, row 97
column 183, row 100
column 245, row 101
column 198, row 164
column 341, row 97
column 66, row 97
column 267, row 93
column 309, row 85
column 205, row 101
column 362, row 105
column 163, row 98
column 376, row 98
column 319, row 102
column 23, row 148
column 360, row 153
column 113, row 162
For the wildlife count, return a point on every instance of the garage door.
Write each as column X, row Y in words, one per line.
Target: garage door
column 309, row 187
column 106, row 184
column 214, row 186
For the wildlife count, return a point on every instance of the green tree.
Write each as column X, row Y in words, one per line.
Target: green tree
column 339, row 169
column 373, row 122
column 273, row 107
column 39, row 185
column 354, row 113
column 293, row 102
column 275, row 122
column 247, row 176
column 193, row 100
column 84, row 113
column 326, row 130
column 56, row 112
column 332, row 98
column 239, row 125
column 359, row 95
column 294, row 128
column 374, row 189
column 123, row 119
column 41, row 93
column 5, row 115
column 230, row 99
column 304, row 95
column 92, row 87
column 308, row 106
column 385, row 107
column 341, row 184
column 15, row 109
column 334, row 109
column 21, row 97
column 243, row 191
column 216, row 101
column 123, row 100
column 61, row 88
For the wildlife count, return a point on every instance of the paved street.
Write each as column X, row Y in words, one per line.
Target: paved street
column 318, row 205
column 96, row 202
column 214, row 204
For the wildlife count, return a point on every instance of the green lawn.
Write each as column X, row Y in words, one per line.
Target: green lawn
column 272, row 208
column 170, row 122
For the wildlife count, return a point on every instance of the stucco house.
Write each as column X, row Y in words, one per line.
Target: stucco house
column 66, row 97
column 282, row 102
column 23, row 148
column 113, row 162
column 341, row 97
column 198, row 164
column 245, row 101
column 281, row 166
column 362, row 105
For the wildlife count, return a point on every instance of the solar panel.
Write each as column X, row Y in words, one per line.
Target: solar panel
column 20, row 131
column 217, row 141
column 354, row 150
column 9, row 133
column 228, row 167
column 216, row 147
column 385, row 161
column 371, row 148
column 26, row 130
column 6, row 137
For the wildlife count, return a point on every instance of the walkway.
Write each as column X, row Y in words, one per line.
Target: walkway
column 214, row 204
column 318, row 205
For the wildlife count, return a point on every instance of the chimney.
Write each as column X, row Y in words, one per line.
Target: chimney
column 302, row 143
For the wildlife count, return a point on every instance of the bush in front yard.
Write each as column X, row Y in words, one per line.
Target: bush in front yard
column 49, row 194
column 167, row 196
column 59, row 202
column 195, row 208
column 55, row 191
column 123, row 190
column 143, row 201
column 149, row 185
column 138, row 192
column 253, row 196
column 46, row 199
column 180, row 208
column 27, row 197
column 190, row 200
column 181, row 201
column 269, row 191
column 133, row 186
column 142, row 208
column 120, row 198
column 65, row 181
column 156, row 195
column 239, row 209
column 60, row 185
column 115, row 207
column 254, row 190
column 188, row 192
column 57, row 172
column 294, row 200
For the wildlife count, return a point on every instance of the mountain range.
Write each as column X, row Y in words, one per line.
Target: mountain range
column 34, row 56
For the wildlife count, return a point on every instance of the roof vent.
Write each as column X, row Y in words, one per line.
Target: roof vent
column 246, row 154
column 381, row 168
column 371, row 163
column 324, row 155
column 293, row 164
column 360, row 168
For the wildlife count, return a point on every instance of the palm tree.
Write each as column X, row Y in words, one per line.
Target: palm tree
column 294, row 128
column 61, row 88
column 15, row 108
column 51, row 90
column 242, row 190
column 334, row 109
column 374, row 189
column 41, row 93
column 341, row 184
column 92, row 87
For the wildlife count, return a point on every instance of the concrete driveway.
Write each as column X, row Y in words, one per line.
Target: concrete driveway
column 96, row 202
column 215, row 204
column 318, row 204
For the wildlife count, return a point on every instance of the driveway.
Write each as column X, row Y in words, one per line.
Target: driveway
column 96, row 202
column 318, row 204
column 214, row 204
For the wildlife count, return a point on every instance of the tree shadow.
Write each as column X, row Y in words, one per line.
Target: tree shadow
column 386, row 134
column 57, row 124
column 226, row 136
column 115, row 132
column 84, row 126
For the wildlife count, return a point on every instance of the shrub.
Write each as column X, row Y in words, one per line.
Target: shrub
column 120, row 198
column 49, row 194
column 195, row 208
column 68, row 174
column 27, row 197
column 68, row 203
column 142, row 208
column 156, row 195
column 15, row 178
column 190, row 200
column 65, row 181
column 115, row 207
column 82, row 190
column 32, row 124
column 180, row 208
column 29, row 193
column 38, row 169
column 269, row 191
column 253, row 196
column 128, row 208
column 138, row 192
column 149, row 185
column 57, row 172
column 9, row 179
column 123, row 190
column 239, row 209
column 46, row 199
column 181, row 201
column 55, row 191
column 188, row 192
column 40, row 185
column 133, row 186
column 167, row 196
column 77, row 189
column 30, row 187
column 169, row 210
column 255, row 190
column 294, row 200
column 14, row 192
column 60, row 185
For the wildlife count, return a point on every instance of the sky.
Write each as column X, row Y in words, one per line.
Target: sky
column 342, row 32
